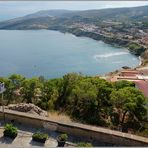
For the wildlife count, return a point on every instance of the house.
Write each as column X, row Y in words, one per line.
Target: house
column 140, row 78
column 145, row 40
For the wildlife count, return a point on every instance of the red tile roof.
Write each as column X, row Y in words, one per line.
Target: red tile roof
column 143, row 86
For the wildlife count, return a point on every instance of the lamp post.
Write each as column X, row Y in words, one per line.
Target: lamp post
column 2, row 89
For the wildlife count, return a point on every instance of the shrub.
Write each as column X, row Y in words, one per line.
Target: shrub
column 63, row 137
column 10, row 131
column 83, row 144
column 40, row 137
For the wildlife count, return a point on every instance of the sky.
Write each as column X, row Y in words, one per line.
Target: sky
column 12, row 9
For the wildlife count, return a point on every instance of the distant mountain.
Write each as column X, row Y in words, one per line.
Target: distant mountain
column 102, row 13
column 52, row 18
column 115, row 13
column 50, row 13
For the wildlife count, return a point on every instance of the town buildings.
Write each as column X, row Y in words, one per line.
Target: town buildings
column 139, row 77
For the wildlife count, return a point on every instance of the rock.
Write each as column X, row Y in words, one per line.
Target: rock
column 27, row 108
column 126, row 67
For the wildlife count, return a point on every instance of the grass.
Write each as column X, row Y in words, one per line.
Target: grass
column 59, row 117
column 84, row 144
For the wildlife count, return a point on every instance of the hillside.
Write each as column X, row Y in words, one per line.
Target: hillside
column 51, row 13
column 90, row 16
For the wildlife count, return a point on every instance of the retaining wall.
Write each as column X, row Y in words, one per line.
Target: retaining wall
column 78, row 130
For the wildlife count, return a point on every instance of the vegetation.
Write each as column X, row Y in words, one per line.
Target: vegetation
column 128, row 101
column 63, row 137
column 145, row 24
column 10, row 131
column 136, row 48
column 83, row 144
column 40, row 137
column 87, row 99
column 37, row 21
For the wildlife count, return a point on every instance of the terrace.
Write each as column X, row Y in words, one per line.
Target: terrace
column 24, row 138
column 28, row 124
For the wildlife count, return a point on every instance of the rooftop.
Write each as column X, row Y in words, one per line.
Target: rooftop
column 139, row 77
column 143, row 86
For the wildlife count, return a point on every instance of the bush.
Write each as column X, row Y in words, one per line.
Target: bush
column 63, row 137
column 10, row 131
column 83, row 144
column 40, row 137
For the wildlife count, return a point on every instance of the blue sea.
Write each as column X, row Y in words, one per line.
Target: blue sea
column 53, row 54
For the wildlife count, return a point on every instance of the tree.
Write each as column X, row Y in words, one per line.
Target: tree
column 17, row 80
column 69, row 81
column 50, row 93
column 10, row 87
column 104, row 90
column 82, row 102
column 123, row 83
column 30, row 88
column 129, row 101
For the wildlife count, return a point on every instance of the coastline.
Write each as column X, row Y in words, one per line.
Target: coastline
column 140, row 65
column 113, row 41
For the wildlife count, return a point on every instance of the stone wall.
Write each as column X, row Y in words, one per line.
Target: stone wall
column 76, row 129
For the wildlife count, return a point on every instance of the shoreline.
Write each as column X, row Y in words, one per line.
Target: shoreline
column 140, row 65
column 111, row 44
